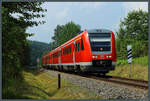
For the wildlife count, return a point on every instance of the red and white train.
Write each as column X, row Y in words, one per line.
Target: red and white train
column 91, row 51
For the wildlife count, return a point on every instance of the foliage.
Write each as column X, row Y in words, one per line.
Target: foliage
column 63, row 33
column 27, row 11
column 134, row 31
column 15, row 48
column 36, row 51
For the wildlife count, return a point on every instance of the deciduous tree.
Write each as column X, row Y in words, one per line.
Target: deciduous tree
column 133, row 30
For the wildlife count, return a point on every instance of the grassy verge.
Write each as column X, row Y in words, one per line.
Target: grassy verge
column 143, row 61
column 139, row 68
column 42, row 86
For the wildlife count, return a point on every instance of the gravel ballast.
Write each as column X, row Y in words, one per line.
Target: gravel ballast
column 102, row 88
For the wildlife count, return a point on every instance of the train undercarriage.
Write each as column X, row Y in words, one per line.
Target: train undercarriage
column 101, row 67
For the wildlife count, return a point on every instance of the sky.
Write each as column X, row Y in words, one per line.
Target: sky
column 89, row 15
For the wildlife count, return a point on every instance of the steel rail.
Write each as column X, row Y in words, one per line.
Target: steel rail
column 142, row 84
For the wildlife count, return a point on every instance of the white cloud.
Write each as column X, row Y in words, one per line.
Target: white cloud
column 129, row 6
column 61, row 10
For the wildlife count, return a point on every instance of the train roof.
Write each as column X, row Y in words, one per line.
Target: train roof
column 68, row 41
column 99, row 30
column 89, row 31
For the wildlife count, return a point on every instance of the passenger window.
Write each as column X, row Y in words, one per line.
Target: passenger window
column 78, row 46
column 82, row 47
column 73, row 47
column 70, row 49
column 67, row 50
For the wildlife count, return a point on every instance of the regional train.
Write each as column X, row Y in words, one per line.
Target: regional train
column 91, row 51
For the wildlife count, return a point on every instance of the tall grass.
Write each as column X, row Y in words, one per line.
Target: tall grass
column 140, row 61
column 139, row 68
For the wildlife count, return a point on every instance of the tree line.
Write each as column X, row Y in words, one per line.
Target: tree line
column 15, row 48
column 133, row 30
column 36, row 50
column 63, row 33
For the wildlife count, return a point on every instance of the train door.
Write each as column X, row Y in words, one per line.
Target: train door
column 59, row 57
column 77, row 52
column 74, row 53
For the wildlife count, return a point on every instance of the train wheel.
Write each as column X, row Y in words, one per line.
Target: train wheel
column 58, row 68
column 62, row 68
column 78, row 69
column 103, row 74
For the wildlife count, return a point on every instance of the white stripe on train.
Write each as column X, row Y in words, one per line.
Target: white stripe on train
column 79, row 63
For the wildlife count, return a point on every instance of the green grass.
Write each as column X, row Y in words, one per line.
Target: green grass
column 141, row 61
column 139, row 68
column 42, row 86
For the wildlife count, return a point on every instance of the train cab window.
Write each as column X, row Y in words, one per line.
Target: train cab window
column 100, row 42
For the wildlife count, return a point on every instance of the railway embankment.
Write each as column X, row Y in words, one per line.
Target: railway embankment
column 139, row 68
column 38, row 84
column 101, row 88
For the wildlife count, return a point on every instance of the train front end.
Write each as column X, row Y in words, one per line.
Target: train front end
column 102, row 43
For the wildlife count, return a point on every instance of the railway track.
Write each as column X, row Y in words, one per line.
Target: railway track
column 141, row 84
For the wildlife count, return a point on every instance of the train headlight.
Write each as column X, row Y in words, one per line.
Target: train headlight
column 94, row 56
column 109, row 56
